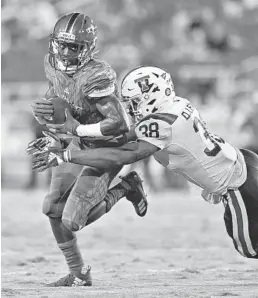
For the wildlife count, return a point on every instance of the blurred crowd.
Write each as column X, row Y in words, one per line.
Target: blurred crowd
column 209, row 47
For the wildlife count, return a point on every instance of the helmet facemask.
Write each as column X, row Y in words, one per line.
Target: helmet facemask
column 133, row 107
column 69, row 55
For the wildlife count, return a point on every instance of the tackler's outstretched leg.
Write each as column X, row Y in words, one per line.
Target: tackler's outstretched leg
column 241, row 210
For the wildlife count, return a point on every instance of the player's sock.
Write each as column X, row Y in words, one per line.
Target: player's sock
column 114, row 195
column 72, row 255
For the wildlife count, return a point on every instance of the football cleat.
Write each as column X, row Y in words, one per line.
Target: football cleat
column 135, row 192
column 70, row 280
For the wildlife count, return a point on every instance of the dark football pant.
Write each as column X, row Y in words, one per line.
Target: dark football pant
column 74, row 191
column 241, row 210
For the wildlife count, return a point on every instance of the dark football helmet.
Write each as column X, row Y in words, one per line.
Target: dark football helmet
column 72, row 42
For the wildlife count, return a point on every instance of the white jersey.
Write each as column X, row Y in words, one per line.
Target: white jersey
column 188, row 148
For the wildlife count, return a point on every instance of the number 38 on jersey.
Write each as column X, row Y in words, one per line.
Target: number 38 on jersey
column 156, row 129
column 150, row 130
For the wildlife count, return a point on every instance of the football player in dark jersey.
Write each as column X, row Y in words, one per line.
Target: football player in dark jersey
column 79, row 195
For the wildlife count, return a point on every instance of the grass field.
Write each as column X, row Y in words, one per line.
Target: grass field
column 180, row 249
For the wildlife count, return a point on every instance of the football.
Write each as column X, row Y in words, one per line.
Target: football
column 60, row 105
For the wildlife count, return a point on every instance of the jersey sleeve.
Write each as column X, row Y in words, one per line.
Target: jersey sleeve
column 155, row 131
column 101, row 82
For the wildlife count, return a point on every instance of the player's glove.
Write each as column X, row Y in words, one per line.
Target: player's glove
column 43, row 144
column 70, row 125
column 43, row 160
column 42, row 110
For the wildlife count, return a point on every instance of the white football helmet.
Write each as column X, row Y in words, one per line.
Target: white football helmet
column 145, row 88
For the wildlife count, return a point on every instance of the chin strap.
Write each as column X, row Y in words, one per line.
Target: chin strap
column 69, row 70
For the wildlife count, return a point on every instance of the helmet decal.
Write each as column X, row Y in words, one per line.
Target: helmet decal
column 91, row 29
column 168, row 91
column 144, row 84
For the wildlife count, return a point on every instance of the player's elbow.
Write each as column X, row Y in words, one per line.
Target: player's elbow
column 119, row 126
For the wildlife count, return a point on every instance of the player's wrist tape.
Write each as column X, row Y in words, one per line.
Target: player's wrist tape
column 67, row 156
column 89, row 130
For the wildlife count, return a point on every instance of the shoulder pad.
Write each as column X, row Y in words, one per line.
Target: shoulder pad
column 166, row 117
column 179, row 104
column 101, row 79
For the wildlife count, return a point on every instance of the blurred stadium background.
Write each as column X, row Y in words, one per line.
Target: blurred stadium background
column 210, row 48
column 181, row 248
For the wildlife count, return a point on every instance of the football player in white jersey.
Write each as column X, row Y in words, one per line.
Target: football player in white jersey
column 171, row 129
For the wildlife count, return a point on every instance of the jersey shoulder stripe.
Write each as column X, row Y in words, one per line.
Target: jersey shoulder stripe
column 101, row 79
column 167, row 117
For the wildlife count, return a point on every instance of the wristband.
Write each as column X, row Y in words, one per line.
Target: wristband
column 67, row 156
column 89, row 130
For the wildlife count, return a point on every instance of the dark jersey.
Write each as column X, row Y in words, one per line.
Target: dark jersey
column 96, row 79
column 83, row 90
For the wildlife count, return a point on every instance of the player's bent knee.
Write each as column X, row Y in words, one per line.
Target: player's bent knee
column 46, row 207
column 51, row 208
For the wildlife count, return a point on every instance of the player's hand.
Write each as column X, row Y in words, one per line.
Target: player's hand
column 69, row 126
column 42, row 107
column 53, row 157
column 42, row 110
column 43, row 144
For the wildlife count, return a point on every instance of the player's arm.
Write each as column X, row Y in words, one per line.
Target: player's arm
column 105, row 158
column 158, row 137
column 122, row 139
column 113, row 124
column 112, row 157
column 101, row 89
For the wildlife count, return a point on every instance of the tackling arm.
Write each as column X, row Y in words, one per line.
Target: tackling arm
column 105, row 158
column 112, row 157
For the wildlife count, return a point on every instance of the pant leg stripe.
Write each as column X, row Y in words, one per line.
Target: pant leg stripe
column 141, row 204
column 235, row 227
column 241, row 203
column 240, row 224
